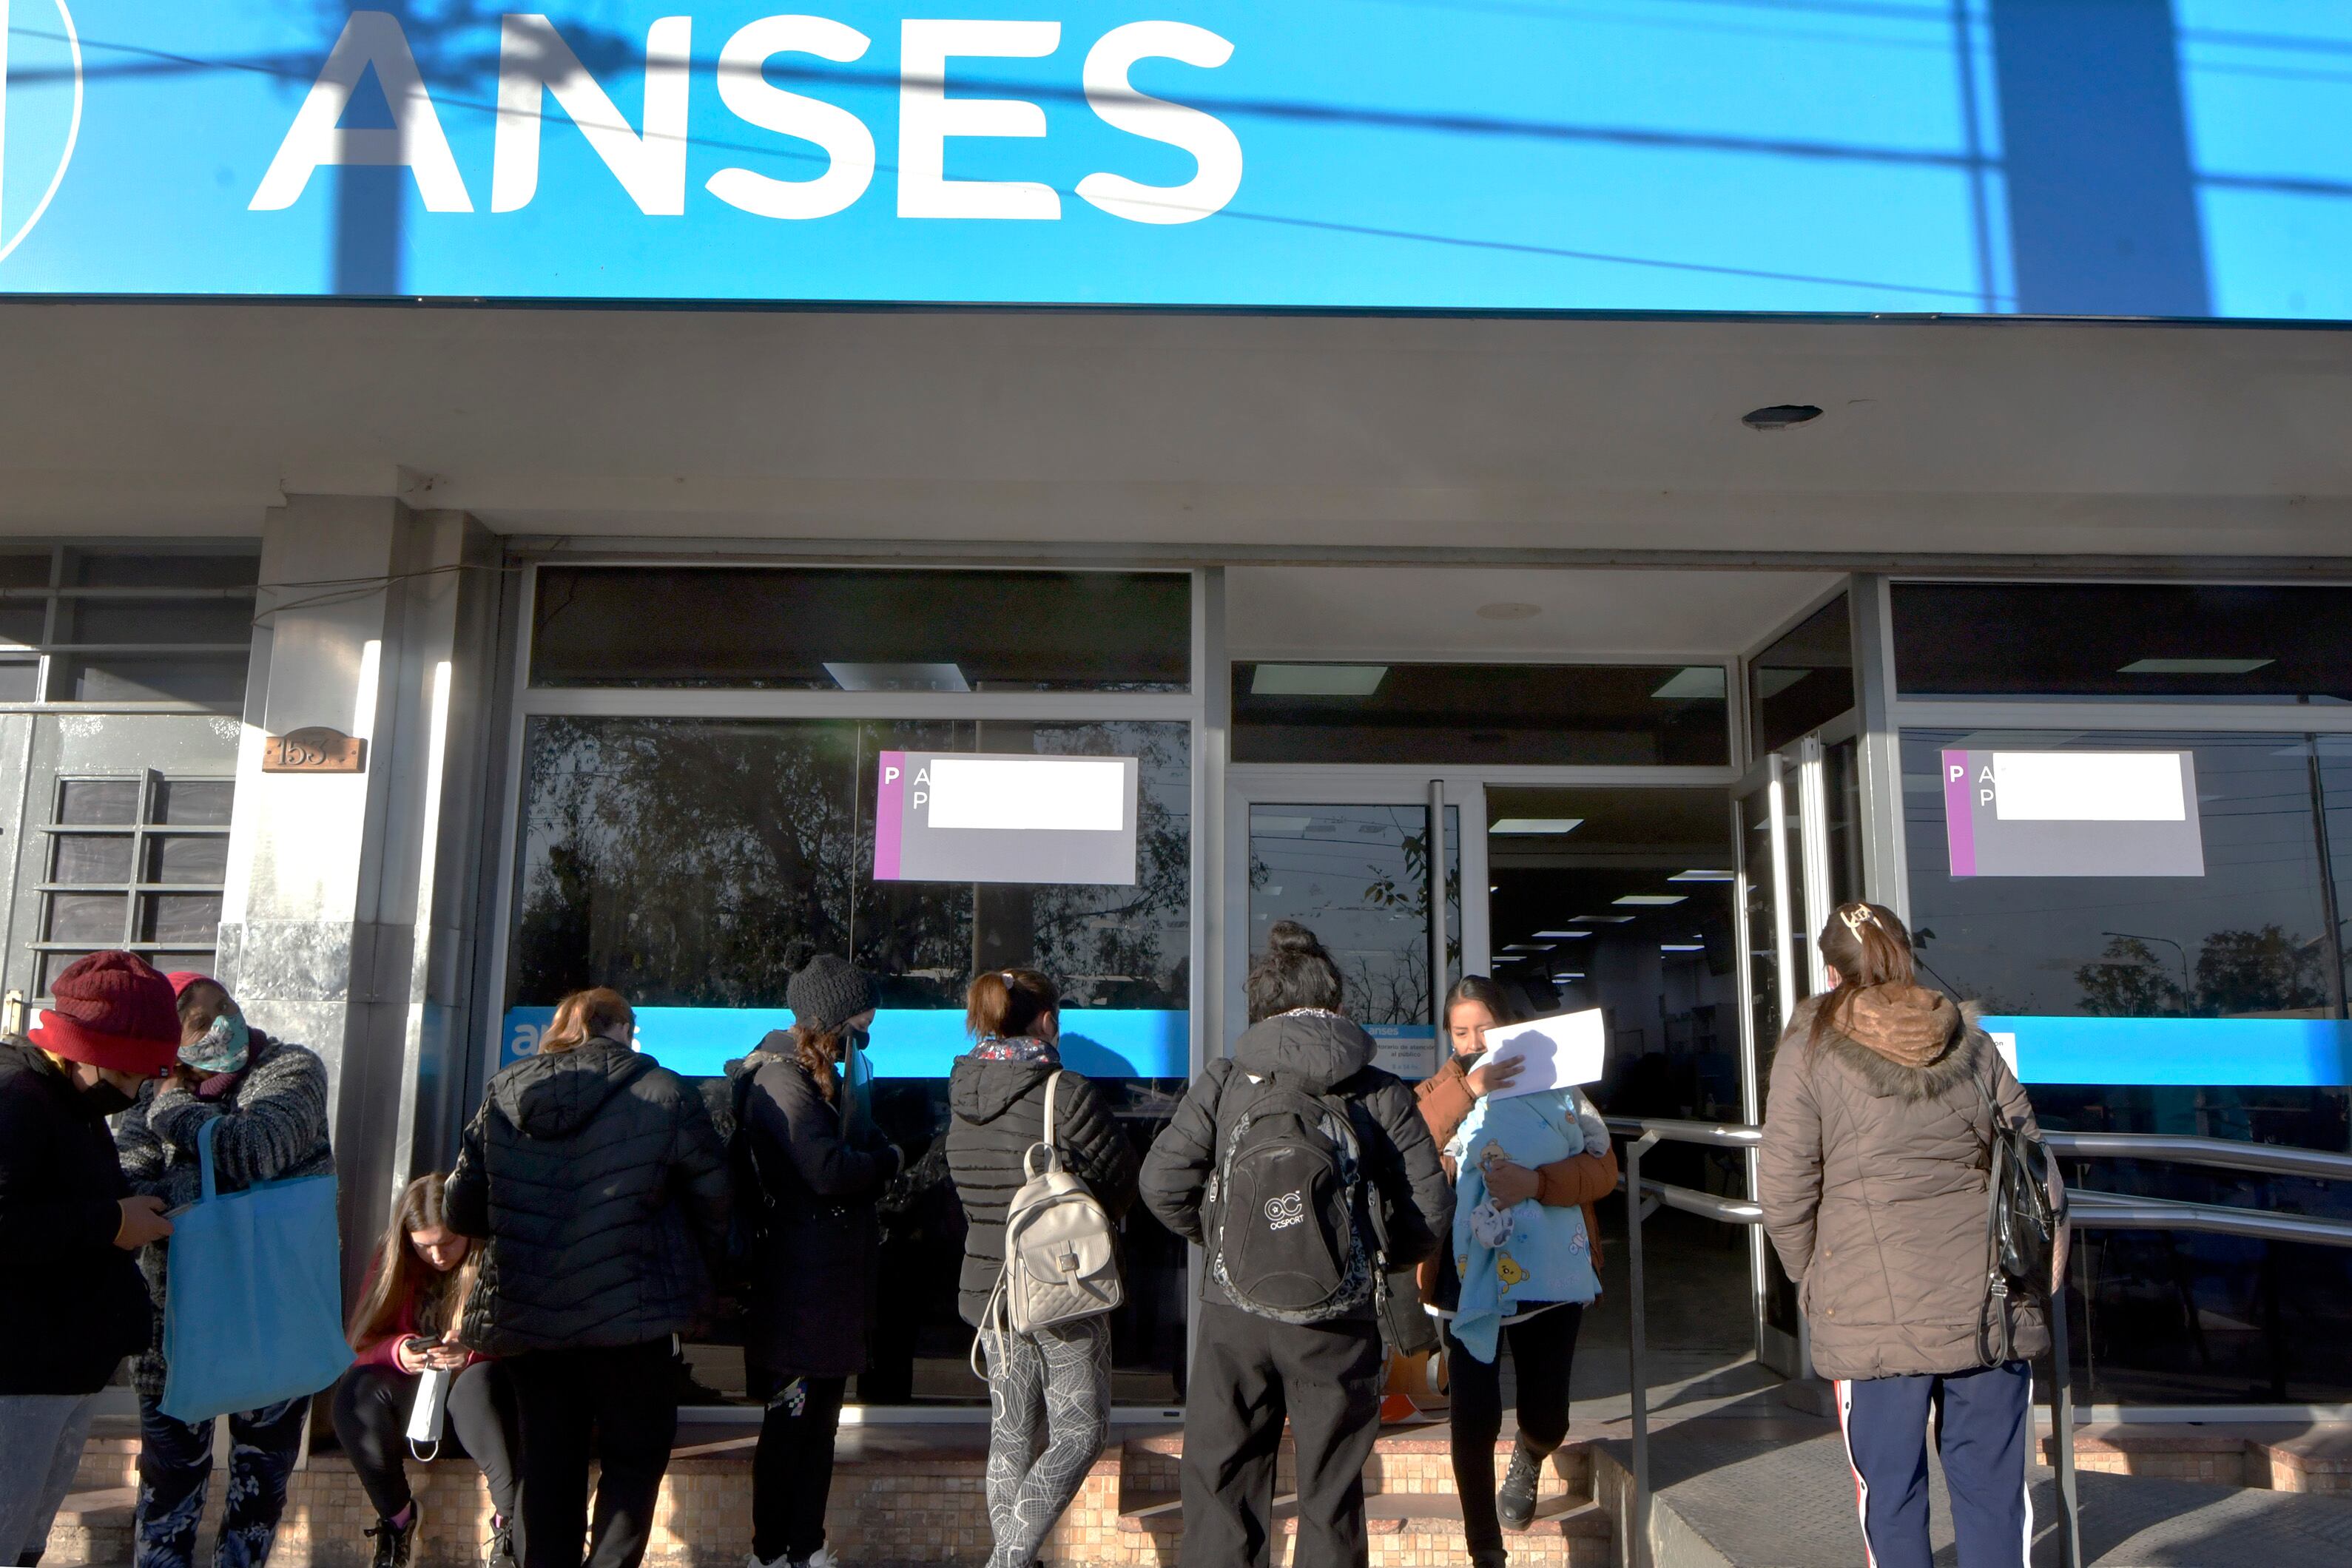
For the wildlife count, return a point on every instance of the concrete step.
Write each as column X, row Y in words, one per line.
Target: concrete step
column 93, row 1527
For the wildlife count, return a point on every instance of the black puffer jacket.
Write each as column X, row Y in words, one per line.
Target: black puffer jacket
column 601, row 1188
column 1324, row 1054
column 816, row 1241
column 71, row 1302
column 1000, row 1115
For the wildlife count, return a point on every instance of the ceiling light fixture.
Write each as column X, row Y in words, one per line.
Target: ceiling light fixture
column 1652, row 900
column 1779, row 416
column 854, row 676
column 1700, row 876
column 1561, row 935
column 1681, row 947
column 1606, row 919
column 1317, row 680
column 1693, row 683
column 1533, row 825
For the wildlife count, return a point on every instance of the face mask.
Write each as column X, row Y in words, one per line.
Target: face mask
column 855, row 1037
column 224, row 1048
column 106, row 1099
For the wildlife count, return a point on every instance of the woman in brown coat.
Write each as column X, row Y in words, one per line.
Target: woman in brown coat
column 1875, row 1159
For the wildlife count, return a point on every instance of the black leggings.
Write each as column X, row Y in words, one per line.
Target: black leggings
column 791, row 1470
column 372, row 1405
column 1543, row 1350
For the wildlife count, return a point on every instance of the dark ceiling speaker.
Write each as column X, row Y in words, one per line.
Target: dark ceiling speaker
column 1779, row 416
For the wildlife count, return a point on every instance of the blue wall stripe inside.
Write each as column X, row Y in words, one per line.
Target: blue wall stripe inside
column 1101, row 1042
column 2296, row 1053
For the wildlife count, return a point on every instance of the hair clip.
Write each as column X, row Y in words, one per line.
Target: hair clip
column 1857, row 917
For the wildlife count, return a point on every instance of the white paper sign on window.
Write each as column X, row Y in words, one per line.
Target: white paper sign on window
column 2073, row 814
column 981, row 818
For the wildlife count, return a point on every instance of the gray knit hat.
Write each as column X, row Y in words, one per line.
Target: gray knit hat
column 827, row 991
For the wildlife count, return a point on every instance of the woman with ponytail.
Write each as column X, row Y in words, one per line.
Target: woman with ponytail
column 1883, row 1101
column 1054, row 1385
column 813, row 1166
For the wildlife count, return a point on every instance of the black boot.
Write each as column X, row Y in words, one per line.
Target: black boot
column 1494, row 1558
column 1515, row 1504
column 503, row 1551
column 393, row 1543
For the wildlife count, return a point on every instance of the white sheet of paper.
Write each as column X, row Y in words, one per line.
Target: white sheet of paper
column 1565, row 1048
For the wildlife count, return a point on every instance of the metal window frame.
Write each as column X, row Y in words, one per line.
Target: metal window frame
column 54, row 659
column 140, row 830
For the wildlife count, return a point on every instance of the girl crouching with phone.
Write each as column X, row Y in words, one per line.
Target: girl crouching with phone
column 405, row 1326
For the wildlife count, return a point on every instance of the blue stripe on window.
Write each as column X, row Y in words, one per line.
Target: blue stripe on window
column 2294, row 1053
column 1101, row 1042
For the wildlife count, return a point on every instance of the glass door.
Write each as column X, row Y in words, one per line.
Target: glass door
column 1799, row 829
column 1355, row 864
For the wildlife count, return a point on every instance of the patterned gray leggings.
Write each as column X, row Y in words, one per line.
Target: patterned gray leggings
column 1059, row 1377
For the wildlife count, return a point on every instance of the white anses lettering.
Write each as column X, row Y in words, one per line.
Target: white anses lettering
column 1210, row 141
column 744, row 89
column 414, row 142
column 534, row 59
column 928, row 116
column 534, row 62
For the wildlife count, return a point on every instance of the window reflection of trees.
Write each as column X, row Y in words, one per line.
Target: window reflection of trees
column 677, row 859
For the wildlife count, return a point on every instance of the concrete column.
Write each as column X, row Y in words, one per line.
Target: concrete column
column 346, row 923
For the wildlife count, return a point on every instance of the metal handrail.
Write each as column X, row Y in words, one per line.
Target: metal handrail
column 2088, row 1208
column 1723, row 1135
column 2222, row 1153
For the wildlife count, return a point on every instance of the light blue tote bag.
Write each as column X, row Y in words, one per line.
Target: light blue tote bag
column 253, row 1313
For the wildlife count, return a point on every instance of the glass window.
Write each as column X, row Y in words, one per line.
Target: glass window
column 25, row 569
column 1472, row 714
column 21, row 624
column 1358, row 876
column 2213, row 1005
column 223, row 621
column 151, row 569
column 1804, row 680
column 857, row 629
column 677, row 859
column 2123, row 641
column 218, row 685
column 20, row 681
column 103, row 830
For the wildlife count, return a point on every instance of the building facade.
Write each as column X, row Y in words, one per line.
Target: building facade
column 485, row 496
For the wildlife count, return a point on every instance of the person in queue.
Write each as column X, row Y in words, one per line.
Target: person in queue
column 72, row 1304
column 1884, row 1097
column 596, row 1177
column 1054, row 1385
column 1250, row 1370
column 812, row 1164
column 269, row 1098
column 406, row 1324
column 1544, row 1317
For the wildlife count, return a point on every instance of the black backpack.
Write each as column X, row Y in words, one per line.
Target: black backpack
column 1291, row 1231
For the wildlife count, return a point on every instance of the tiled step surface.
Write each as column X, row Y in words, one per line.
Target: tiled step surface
column 902, row 1495
column 2299, row 1458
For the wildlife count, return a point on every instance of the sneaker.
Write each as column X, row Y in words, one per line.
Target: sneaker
column 394, row 1544
column 822, row 1557
column 1495, row 1558
column 503, row 1551
column 1515, row 1504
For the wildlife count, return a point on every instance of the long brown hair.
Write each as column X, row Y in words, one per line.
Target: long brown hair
column 400, row 1273
column 1008, row 1003
column 599, row 1012
column 820, row 1052
column 1867, row 946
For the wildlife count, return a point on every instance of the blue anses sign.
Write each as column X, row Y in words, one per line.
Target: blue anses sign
column 907, row 1042
column 2126, row 157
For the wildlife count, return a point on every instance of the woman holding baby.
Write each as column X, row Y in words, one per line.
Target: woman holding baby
column 1525, row 1259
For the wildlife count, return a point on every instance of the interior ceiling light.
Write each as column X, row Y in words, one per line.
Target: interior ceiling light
column 1509, row 609
column 1697, row 682
column 1650, row 900
column 1562, row 979
column 1772, row 683
column 1317, row 680
column 1700, row 876
column 1681, row 947
column 2194, row 666
column 1537, row 825
column 1522, row 948
column 1561, row 935
column 1606, row 919
column 886, row 677
column 1779, row 416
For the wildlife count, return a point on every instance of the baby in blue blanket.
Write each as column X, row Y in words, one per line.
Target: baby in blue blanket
column 1512, row 1259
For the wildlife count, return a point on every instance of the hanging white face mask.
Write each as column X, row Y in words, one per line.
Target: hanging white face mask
column 224, row 1048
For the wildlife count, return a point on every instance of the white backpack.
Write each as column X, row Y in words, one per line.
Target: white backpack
column 1061, row 1259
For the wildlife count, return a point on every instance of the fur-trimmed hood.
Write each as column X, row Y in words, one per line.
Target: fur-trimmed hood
column 1900, row 1020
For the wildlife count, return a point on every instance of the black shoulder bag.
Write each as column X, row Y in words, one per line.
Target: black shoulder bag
column 2022, row 1227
